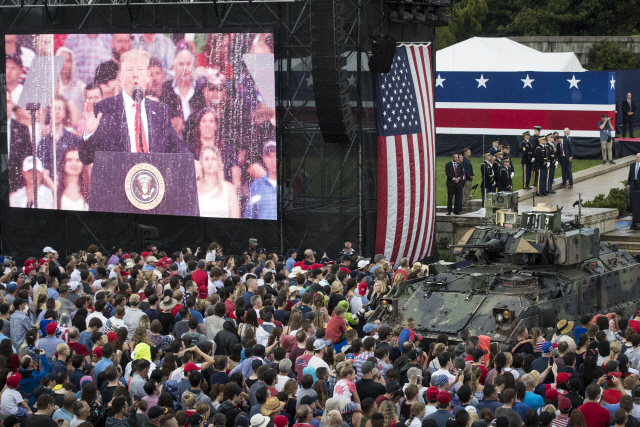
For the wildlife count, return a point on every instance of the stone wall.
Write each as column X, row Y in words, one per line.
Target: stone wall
column 578, row 45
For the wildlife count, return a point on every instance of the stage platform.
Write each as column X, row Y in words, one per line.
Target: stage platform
column 628, row 139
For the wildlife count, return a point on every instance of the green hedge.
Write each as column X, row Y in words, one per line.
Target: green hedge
column 618, row 198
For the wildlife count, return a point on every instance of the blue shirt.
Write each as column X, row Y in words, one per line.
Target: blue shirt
column 579, row 331
column 289, row 264
column 103, row 364
column 52, row 293
column 85, row 340
column 263, row 200
column 491, row 404
column 535, row 401
column 521, row 408
column 247, row 299
column 195, row 314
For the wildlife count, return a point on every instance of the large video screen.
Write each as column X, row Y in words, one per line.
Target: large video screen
column 167, row 124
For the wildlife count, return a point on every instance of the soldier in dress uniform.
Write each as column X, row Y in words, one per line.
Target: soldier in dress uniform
column 504, row 181
column 488, row 177
column 506, row 155
column 495, row 147
column 551, row 156
column 527, row 156
column 536, row 135
column 542, row 167
column 497, row 161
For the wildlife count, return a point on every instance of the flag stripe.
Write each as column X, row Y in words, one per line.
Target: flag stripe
column 517, row 132
column 404, row 106
column 383, row 194
column 432, row 157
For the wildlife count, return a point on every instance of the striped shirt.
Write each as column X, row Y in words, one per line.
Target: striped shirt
column 359, row 360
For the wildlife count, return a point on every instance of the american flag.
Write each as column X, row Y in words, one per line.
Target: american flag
column 406, row 156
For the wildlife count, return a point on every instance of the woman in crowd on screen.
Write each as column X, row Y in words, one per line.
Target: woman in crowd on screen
column 216, row 196
column 73, row 191
column 204, row 133
column 63, row 134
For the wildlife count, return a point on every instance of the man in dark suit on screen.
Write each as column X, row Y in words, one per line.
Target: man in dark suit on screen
column 113, row 123
column 628, row 113
column 19, row 149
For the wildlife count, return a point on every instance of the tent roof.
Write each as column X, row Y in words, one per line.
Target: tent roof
column 502, row 54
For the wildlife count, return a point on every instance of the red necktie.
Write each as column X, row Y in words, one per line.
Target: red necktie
column 455, row 169
column 139, row 125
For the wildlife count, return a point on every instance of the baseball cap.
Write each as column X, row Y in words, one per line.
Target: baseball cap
column 194, row 419
column 97, row 352
column 444, row 398
column 319, row 344
column 27, row 165
column 564, row 403
column 370, row 327
column 261, row 250
column 345, row 258
column 611, row 365
column 547, row 347
column 367, row 367
column 432, row 393
column 49, row 249
column 203, row 293
column 362, row 288
column 363, row 263
column 73, row 286
column 441, row 380
column 14, row 381
column 156, row 411
column 309, row 399
column 562, row 377
column 291, row 252
column 551, row 394
column 151, row 258
column 12, row 286
column 478, row 352
column 200, row 264
column 51, row 328
column 134, row 299
column 112, row 337
column 253, row 241
column 191, row 367
column 413, row 354
column 281, row 420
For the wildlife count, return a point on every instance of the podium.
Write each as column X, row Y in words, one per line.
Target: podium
column 151, row 183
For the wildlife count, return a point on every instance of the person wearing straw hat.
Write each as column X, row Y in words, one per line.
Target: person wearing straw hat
column 563, row 328
column 272, row 407
column 165, row 317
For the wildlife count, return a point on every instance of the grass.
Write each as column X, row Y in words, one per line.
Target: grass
column 441, row 179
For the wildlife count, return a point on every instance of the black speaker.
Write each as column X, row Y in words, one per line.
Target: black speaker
column 383, row 51
column 330, row 85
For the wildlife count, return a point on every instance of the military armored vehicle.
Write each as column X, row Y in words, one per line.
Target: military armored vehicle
column 528, row 270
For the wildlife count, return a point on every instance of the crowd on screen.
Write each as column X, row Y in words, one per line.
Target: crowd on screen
column 216, row 107
column 200, row 339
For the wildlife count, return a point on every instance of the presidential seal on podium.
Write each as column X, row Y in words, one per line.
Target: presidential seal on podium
column 144, row 186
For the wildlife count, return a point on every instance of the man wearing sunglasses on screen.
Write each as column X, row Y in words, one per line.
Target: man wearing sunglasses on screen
column 110, row 125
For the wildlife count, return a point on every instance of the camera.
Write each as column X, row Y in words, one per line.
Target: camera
column 609, row 118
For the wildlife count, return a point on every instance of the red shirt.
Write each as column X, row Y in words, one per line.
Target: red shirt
column 175, row 310
column 595, row 415
column 611, row 396
column 200, row 277
column 335, row 328
column 229, row 306
column 79, row 348
column 301, row 363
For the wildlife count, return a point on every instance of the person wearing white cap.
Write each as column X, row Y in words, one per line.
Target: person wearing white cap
column 316, row 361
column 23, row 196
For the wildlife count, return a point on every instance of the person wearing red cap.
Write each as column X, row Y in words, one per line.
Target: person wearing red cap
column 564, row 408
column 200, row 276
column 50, row 342
column 12, row 402
column 614, row 391
column 444, row 405
column 359, row 300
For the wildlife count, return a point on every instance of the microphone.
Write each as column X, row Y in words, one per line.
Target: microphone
column 137, row 94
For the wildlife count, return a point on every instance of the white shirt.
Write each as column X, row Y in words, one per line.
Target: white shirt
column 19, row 198
column 282, row 380
column 317, row 362
column 100, row 316
column 186, row 108
column 130, row 110
column 445, row 372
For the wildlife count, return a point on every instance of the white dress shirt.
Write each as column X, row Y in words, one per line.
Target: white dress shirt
column 130, row 111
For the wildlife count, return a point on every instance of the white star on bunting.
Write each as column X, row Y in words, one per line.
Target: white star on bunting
column 573, row 82
column 482, row 81
column 527, row 82
column 439, row 81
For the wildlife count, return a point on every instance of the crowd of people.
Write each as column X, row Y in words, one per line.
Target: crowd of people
column 218, row 109
column 193, row 339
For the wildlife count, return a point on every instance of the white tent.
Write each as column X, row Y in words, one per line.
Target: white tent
column 502, row 54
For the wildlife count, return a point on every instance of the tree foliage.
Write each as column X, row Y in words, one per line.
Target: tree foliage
column 573, row 18
column 618, row 198
column 465, row 21
column 608, row 55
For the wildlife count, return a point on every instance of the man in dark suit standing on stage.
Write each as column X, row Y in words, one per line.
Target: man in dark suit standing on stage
column 633, row 185
column 628, row 113
column 565, row 155
column 455, row 173
column 468, row 175
column 113, row 123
